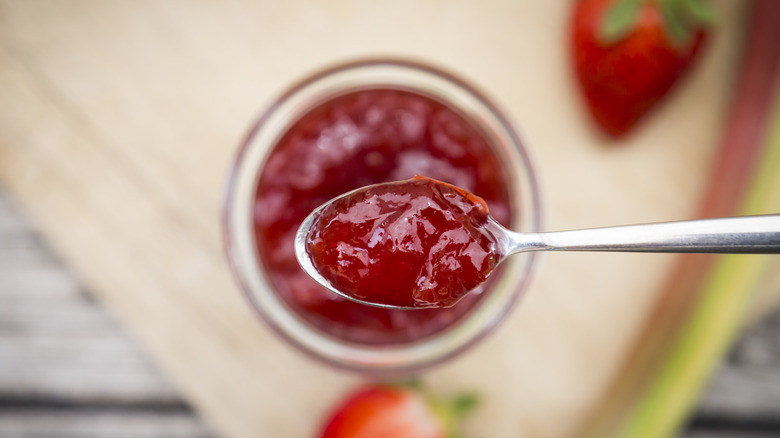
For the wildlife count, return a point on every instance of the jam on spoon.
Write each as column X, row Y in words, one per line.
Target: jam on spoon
column 424, row 243
column 413, row 243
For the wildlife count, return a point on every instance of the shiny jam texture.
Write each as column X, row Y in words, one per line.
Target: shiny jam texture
column 360, row 138
column 413, row 243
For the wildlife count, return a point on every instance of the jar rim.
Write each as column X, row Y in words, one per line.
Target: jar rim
column 243, row 176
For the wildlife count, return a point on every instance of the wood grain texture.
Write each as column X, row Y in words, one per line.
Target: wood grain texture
column 24, row 424
column 66, row 368
column 748, row 383
column 118, row 121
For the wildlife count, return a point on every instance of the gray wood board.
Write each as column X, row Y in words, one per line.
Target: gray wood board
column 66, row 368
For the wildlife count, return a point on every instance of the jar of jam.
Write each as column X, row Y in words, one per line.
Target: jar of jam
column 350, row 126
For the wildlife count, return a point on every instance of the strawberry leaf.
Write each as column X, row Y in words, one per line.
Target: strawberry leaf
column 453, row 410
column 701, row 12
column 682, row 18
column 676, row 25
column 463, row 404
column 619, row 20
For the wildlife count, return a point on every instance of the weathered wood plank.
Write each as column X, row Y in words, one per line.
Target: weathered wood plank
column 66, row 368
column 729, row 434
column 20, row 423
column 55, row 340
column 747, row 386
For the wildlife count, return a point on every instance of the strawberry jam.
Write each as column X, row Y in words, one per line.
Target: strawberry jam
column 356, row 139
column 413, row 243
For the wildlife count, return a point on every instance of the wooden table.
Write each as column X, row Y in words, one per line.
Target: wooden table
column 118, row 122
column 68, row 370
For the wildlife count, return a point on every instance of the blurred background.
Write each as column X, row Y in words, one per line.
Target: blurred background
column 118, row 314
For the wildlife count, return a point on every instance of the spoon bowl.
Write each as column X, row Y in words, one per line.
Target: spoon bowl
column 304, row 258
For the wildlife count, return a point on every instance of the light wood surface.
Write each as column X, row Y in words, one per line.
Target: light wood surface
column 118, row 121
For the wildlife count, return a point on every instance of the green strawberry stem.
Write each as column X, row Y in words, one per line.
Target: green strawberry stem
column 620, row 20
column 682, row 18
column 450, row 410
column 679, row 342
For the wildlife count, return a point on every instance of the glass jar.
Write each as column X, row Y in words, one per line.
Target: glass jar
column 289, row 305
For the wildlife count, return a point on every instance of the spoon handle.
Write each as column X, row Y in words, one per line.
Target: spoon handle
column 737, row 235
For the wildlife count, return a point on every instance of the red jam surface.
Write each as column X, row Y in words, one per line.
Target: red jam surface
column 413, row 243
column 357, row 139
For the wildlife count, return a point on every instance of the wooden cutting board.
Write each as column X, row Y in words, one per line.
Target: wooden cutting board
column 118, row 121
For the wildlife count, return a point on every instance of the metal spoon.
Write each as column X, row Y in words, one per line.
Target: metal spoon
column 733, row 235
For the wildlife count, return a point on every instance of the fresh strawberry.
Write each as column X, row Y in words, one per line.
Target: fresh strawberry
column 395, row 412
column 628, row 54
